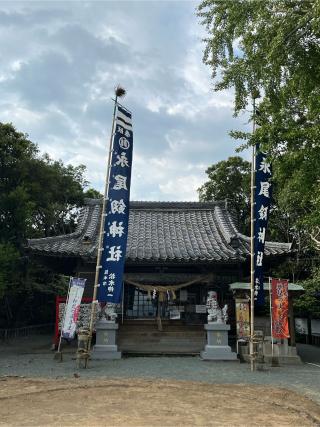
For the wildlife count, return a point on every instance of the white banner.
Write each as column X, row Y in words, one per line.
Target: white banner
column 73, row 307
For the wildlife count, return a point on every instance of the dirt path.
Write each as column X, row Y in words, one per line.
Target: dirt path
column 134, row 402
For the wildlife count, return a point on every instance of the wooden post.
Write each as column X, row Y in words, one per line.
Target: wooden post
column 271, row 326
column 159, row 323
column 252, row 361
column 309, row 330
column 291, row 321
column 118, row 92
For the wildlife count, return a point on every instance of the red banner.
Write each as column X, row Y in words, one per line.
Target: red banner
column 280, row 303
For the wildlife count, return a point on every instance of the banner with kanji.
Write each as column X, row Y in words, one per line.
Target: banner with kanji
column 72, row 307
column 117, row 211
column 242, row 318
column 280, row 308
column 262, row 199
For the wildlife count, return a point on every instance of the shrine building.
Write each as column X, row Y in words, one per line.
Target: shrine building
column 176, row 253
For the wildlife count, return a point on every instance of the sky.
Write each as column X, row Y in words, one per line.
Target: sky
column 61, row 62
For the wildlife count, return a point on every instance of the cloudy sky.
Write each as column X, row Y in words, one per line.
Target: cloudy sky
column 61, row 61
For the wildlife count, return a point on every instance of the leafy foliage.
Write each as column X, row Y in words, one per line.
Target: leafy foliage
column 269, row 46
column 230, row 179
column 39, row 197
column 9, row 257
column 91, row 193
column 309, row 302
column 269, row 53
column 272, row 48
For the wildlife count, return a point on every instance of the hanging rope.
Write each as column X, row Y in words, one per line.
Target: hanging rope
column 162, row 289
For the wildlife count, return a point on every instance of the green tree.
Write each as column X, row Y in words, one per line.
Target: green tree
column 91, row 193
column 272, row 49
column 9, row 276
column 38, row 197
column 230, row 179
column 55, row 210
column 17, row 156
column 309, row 302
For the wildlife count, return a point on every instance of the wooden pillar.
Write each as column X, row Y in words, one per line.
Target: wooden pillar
column 309, row 340
column 291, row 322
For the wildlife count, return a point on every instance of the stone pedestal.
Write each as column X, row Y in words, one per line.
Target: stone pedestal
column 106, row 347
column 283, row 354
column 217, row 343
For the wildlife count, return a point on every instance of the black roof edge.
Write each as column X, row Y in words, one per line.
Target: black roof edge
column 145, row 204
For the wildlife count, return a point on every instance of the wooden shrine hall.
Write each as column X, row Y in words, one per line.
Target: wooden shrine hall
column 176, row 252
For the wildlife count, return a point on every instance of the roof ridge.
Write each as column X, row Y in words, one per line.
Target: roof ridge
column 227, row 227
column 156, row 204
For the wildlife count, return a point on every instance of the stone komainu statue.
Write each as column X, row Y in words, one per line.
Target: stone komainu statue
column 109, row 312
column 215, row 313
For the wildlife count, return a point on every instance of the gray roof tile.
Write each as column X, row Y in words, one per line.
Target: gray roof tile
column 161, row 232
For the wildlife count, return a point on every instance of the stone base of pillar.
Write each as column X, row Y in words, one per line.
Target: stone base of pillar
column 217, row 347
column 282, row 354
column 106, row 347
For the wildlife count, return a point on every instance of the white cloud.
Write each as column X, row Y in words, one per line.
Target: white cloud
column 64, row 59
column 195, row 74
column 154, row 104
column 20, row 116
column 182, row 188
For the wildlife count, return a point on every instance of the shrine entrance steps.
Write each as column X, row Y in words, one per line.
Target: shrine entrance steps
column 143, row 337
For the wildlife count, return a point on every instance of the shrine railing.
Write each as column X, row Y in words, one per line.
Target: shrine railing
column 11, row 333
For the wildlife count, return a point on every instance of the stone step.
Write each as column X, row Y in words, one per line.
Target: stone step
column 156, row 337
column 182, row 329
column 161, row 341
column 160, row 349
column 143, row 337
column 156, row 333
column 163, row 333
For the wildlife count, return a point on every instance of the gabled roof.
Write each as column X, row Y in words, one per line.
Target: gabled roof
column 161, row 232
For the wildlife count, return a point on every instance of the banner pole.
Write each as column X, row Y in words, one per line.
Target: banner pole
column 122, row 303
column 271, row 320
column 64, row 314
column 252, row 361
column 103, row 216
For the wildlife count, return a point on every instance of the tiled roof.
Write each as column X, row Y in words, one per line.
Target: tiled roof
column 162, row 232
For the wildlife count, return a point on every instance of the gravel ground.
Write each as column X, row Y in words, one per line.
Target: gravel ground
column 136, row 402
column 31, row 357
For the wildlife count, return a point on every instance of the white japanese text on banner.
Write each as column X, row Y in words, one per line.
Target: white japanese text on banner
column 261, row 215
column 117, row 211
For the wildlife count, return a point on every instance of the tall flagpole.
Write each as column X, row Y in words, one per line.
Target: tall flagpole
column 253, row 167
column 119, row 92
column 271, row 320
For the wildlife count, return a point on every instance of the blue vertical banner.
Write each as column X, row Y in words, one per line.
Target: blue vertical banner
column 262, row 199
column 117, row 211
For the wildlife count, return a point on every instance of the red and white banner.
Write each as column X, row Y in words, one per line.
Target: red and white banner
column 73, row 307
column 280, row 307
